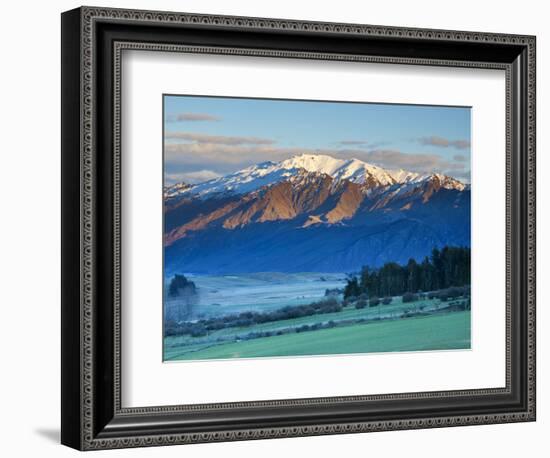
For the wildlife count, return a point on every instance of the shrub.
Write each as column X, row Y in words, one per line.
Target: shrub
column 374, row 301
column 171, row 328
column 387, row 300
column 180, row 284
column 454, row 292
column 214, row 325
column 244, row 322
column 361, row 304
column 330, row 302
column 409, row 297
column 198, row 331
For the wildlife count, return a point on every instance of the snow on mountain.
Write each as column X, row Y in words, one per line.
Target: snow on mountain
column 269, row 173
column 246, row 180
column 349, row 169
column 176, row 189
column 404, row 176
column 444, row 181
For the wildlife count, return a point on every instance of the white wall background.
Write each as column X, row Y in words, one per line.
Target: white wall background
column 30, row 240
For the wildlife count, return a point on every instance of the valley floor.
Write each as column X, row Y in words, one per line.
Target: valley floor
column 437, row 331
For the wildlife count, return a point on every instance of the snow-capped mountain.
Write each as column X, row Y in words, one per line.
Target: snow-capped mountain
column 176, row 190
column 268, row 173
column 353, row 170
column 312, row 213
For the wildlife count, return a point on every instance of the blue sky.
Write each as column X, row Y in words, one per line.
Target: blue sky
column 205, row 137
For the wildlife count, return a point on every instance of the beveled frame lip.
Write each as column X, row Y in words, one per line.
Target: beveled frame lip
column 92, row 42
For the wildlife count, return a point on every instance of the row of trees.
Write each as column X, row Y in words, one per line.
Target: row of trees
column 201, row 328
column 447, row 267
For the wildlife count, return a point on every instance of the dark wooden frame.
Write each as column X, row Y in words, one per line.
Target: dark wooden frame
column 92, row 42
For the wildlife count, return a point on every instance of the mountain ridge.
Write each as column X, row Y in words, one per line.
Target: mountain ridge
column 283, row 210
column 269, row 172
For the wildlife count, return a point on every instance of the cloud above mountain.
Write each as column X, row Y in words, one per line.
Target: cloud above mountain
column 190, row 152
column 197, row 176
column 192, row 117
column 442, row 142
column 415, row 162
column 200, row 138
column 353, row 142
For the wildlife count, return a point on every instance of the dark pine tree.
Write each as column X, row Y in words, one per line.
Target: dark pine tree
column 445, row 268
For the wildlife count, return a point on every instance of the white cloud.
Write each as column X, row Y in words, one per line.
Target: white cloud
column 353, row 142
column 193, row 117
column 460, row 158
column 435, row 140
column 225, row 154
column 217, row 139
column 191, row 177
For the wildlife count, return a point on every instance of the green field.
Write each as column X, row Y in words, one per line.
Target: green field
column 176, row 346
column 443, row 331
column 348, row 313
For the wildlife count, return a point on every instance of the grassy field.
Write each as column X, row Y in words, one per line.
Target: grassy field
column 176, row 344
column 434, row 332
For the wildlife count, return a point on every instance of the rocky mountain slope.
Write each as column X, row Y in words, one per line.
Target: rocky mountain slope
column 312, row 213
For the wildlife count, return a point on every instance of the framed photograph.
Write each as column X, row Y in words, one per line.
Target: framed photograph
column 276, row 228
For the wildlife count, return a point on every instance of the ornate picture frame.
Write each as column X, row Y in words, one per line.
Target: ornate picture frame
column 93, row 416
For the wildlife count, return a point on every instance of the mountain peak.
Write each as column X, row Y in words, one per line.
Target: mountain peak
column 353, row 170
column 312, row 163
column 448, row 182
